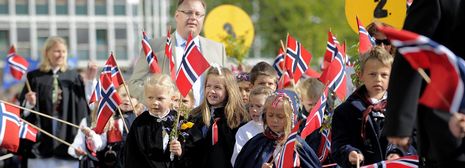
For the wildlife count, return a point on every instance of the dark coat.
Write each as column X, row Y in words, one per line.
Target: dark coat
column 73, row 108
column 443, row 22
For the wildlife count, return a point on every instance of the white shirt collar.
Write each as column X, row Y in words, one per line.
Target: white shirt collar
column 376, row 101
column 180, row 40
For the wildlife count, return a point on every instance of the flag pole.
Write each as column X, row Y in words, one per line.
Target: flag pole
column 122, row 117
column 284, row 68
column 164, row 58
column 42, row 114
column 46, row 133
column 423, row 74
column 28, row 85
column 127, row 91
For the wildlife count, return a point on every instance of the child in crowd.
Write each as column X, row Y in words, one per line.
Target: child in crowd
column 263, row 74
column 147, row 141
column 216, row 122
column 243, row 80
column 263, row 149
column 310, row 91
column 254, row 126
column 357, row 123
column 380, row 38
column 187, row 101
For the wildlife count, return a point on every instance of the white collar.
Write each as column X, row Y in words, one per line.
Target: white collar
column 180, row 40
column 160, row 116
column 376, row 101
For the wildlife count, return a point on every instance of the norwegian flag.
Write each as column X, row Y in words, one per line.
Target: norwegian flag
column 285, row 80
column 18, row 65
column 27, row 132
column 112, row 71
column 402, row 162
column 316, row 116
column 310, row 73
column 365, row 40
column 329, row 54
column 149, row 55
column 447, row 71
column 278, row 63
column 289, row 156
column 169, row 55
column 96, row 94
column 297, row 58
column 9, row 127
column 193, row 65
column 335, row 75
column 325, row 145
column 107, row 105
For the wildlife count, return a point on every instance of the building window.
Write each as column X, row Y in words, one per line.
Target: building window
column 22, row 7
column 42, row 35
column 119, row 7
column 23, row 46
column 61, row 7
column 4, row 43
column 64, row 33
column 100, row 7
column 102, row 44
column 4, row 7
column 42, row 7
column 134, row 10
column 81, row 7
column 83, row 43
column 120, row 43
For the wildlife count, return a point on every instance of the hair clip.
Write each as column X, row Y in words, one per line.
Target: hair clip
column 243, row 77
column 218, row 67
column 279, row 98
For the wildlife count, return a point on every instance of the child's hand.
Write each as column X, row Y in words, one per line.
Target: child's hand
column 457, row 125
column 31, row 98
column 353, row 156
column 86, row 130
column 175, row 147
column 393, row 156
column 267, row 165
column 79, row 151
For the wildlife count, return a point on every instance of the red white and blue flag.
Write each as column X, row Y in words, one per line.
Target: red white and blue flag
column 365, row 40
column 169, row 55
column 193, row 65
column 112, row 71
column 329, row 53
column 149, row 55
column 447, row 71
column 96, row 94
column 325, row 145
column 9, row 127
column 289, row 156
column 297, row 58
column 403, row 162
column 107, row 105
column 278, row 63
column 18, row 65
column 316, row 115
column 334, row 76
column 27, row 132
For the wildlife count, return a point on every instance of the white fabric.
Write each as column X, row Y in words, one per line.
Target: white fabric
column 100, row 141
column 197, row 88
column 244, row 134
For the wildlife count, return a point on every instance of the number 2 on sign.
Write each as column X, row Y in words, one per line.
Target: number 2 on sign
column 379, row 11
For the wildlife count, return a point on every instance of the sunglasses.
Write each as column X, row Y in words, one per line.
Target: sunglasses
column 384, row 41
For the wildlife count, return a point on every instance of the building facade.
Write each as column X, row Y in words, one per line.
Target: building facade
column 92, row 28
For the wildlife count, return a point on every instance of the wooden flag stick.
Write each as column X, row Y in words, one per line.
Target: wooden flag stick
column 46, row 133
column 423, row 74
column 28, row 85
column 358, row 161
column 6, row 156
column 284, row 68
column 164, row 58
column 122, row 117
column 129, row 95
column 42, row 114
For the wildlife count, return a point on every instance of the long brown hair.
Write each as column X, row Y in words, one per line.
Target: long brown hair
column 234, row 109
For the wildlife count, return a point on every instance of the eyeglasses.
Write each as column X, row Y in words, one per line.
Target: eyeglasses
column 384, row 41
column 189, row 13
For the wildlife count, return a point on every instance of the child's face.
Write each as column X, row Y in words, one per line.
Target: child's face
column 256, row 104
column 375, row 76
column 158, row 100
column 276, row 118
column 244, row 87
column 264, row 80
column 125, row 105
column 188, row 102
column 175, row 100
column 215, row 90
column 308, row 102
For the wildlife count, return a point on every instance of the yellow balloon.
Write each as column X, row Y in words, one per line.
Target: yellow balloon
column 229, row 19
column 392, row 12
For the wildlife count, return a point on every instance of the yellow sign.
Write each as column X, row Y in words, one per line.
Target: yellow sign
column 229, row 20
column 392, row 12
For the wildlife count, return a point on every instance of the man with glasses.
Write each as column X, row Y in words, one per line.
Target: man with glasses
column 189, row 16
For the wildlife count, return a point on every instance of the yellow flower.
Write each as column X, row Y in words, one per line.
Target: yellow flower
column 190, row 124
column 186, row 125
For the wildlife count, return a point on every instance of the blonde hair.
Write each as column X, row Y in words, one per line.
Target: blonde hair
column 376, row 53
column 45, row 64
column 234, row 110
column 261, row 90
column 287, row 107
column 160, row 80
column 312, row 88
